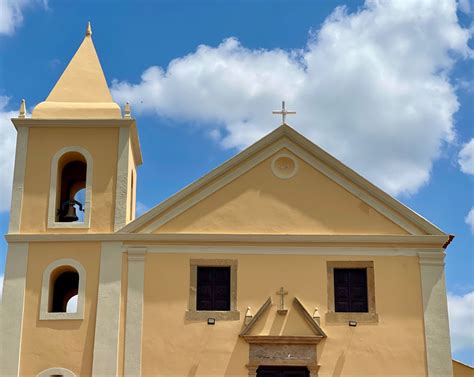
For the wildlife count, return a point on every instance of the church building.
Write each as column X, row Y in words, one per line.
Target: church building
column 281, row 262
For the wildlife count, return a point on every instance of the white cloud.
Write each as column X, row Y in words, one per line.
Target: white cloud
column 140, row 208
column 11, row 13
column 466, row 158
column 7, row 153
column 465, row 6
column 71, row 306
column 461, row 321
column 470, row 219
column 370, row 87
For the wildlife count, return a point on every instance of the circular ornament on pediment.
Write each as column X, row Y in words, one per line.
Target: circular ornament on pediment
column 284, row 165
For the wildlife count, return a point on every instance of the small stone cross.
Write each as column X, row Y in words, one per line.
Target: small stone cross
column 283, row 112
column 282, row 293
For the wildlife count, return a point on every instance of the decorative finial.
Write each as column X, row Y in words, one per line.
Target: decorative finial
column 88, row 29
column 127, row 111
column 283, row 112
column 22, row 109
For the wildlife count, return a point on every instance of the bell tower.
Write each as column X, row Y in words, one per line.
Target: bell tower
column 76, row 156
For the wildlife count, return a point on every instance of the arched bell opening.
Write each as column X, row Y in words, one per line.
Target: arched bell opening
column 64, row 286
column 72, row 170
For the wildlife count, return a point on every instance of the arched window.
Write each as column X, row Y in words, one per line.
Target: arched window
column 70, row 191
column 56, row 372
column 63, row 290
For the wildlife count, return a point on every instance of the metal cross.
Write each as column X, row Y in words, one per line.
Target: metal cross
column 282, row 293
column 283, row 112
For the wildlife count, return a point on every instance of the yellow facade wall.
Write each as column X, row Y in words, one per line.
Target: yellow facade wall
column 462, row 370
column 59, row 343
column 260, row 202
column 43, row 144
column 173, row 346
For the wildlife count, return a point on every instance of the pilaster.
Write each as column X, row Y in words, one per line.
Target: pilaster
column 11, row 310
column 18, row 179
column 435, row 308
column 106, row 341
column 134, row 311
column 122, row 179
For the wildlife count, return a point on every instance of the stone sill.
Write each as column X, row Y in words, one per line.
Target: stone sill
column 343, row 318
column 203, row 315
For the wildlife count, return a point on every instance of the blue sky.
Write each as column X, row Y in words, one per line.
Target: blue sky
column 387, row 88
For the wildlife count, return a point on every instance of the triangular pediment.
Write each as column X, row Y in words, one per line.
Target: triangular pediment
column 283, row 184
column 272, row 322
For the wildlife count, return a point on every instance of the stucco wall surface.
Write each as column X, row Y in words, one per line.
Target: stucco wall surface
column 59, row 343
column 173, row 346
column 260, row 202
column 43, row 143
column 462, row 370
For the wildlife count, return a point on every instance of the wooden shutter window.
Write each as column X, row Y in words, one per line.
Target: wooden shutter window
column 350, row 290
column 213, row 288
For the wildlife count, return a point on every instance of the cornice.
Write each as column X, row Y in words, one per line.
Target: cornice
column 375, row 241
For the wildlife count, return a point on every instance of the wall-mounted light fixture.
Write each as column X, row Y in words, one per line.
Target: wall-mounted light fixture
column 352, row 323
column 211, row 321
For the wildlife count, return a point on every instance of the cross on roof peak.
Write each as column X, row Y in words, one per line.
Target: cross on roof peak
column 283, row 112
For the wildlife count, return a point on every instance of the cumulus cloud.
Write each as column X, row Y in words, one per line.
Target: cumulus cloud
column 7, row 153
column 461, row 321
column 465, row 6
column 370, row 87
column 466, row 158
column 470, row 219
column 11, row 13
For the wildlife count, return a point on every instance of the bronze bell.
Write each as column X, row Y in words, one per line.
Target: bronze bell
column 71, row 212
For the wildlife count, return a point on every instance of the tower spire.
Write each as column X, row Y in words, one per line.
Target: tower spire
column 88, row 29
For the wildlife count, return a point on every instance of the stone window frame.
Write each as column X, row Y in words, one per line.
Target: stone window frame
column 343, row 317
column 53, row 189
column 45, row 314
column 202, row 315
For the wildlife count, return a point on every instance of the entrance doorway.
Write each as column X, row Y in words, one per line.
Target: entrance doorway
column 284, row 371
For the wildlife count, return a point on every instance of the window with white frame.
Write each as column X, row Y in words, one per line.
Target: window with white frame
column 63, row 290
column 70, row 188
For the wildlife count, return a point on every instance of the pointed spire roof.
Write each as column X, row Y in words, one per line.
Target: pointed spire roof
column 81, row 91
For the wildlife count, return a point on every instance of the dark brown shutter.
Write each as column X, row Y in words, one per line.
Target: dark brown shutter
column 350, row 290
column 213, row 288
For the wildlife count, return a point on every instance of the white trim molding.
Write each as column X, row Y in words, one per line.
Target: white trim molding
column 134, row 311
column 435, row 309
column 122, row 185
column 106, row 340
column 45, row 314
column 18, row 179
column 56, row 372
column 11, row 309
column 52, row 223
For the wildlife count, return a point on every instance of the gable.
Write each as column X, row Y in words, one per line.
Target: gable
column 260, row 202
column 358, row 206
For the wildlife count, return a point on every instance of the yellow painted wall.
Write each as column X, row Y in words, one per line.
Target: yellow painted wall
column 260, row 202
column 173, row 346
column 43, row 143
column 462, row 370
column 131, row 192
column 59, row 343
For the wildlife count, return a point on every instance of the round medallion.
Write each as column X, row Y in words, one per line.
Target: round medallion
column 284, row 166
